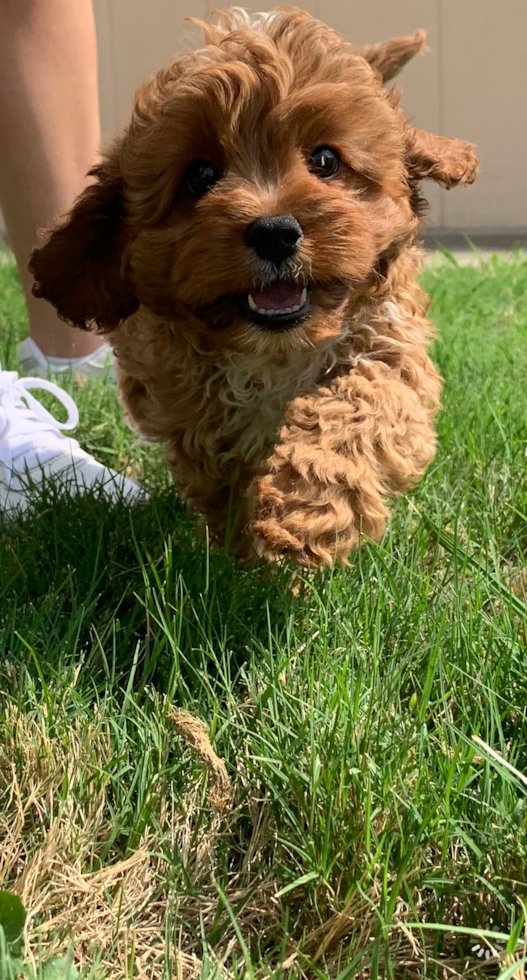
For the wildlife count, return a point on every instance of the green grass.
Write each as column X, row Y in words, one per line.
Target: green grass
column 369, row 834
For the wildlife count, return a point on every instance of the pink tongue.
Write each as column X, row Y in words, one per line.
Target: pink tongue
column 280, row 296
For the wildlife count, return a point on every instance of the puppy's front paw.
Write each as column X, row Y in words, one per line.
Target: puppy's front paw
column 290, row 523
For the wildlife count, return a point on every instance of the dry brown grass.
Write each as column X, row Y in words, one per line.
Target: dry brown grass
column 121, row 911
column 194, row 731
column 50, row 846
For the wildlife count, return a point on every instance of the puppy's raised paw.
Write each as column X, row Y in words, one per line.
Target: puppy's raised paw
column 311, row 532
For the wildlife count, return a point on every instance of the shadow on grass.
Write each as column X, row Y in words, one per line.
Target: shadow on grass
column 126, row 590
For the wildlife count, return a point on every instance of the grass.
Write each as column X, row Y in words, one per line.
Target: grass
column 372, row 720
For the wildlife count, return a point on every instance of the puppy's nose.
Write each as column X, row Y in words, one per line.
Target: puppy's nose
column 274, row 238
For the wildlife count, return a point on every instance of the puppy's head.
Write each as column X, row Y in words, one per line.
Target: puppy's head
column 261, row 184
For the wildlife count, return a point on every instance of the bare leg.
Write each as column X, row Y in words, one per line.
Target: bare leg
column 49, row 137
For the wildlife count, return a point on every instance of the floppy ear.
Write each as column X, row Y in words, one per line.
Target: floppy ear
column 390, row 57
column 441, row 158
column 79, row 268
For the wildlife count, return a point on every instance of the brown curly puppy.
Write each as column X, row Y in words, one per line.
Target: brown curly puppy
column 250, row 244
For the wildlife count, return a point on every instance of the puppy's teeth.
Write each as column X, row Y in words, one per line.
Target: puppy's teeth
column 285, row 310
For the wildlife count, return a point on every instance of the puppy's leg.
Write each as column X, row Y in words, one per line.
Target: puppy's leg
column 212, row 490
column 343, row 450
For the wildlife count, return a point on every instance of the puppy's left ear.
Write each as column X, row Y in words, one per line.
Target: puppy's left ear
column 390, row 57
column 80, row 268
column 441, row 158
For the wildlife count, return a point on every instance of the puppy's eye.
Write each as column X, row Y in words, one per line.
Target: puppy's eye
column 200, row 177
column 324, row 162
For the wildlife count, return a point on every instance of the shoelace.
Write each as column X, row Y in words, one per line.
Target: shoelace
column 26, row 427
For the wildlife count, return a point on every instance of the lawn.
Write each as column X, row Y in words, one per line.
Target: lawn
column 371, row 820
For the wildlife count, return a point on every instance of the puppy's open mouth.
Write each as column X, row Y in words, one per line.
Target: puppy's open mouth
column 278, row 306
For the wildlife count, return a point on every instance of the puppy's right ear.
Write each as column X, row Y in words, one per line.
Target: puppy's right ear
column 390, row 57
column 79, row 269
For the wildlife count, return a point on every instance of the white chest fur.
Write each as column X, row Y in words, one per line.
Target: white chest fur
column 254, row 393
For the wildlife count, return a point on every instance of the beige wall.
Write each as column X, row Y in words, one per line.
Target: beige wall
column 472, row 83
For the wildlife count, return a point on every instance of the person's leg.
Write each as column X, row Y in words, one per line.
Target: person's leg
column 49, row 137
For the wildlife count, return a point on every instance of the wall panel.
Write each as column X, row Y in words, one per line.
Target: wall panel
column 484, row 69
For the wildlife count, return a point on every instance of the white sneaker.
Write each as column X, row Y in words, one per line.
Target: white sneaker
column 33, row 362
column 34, row 452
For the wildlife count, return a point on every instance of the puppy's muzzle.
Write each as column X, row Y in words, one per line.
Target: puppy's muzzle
column 274, row 238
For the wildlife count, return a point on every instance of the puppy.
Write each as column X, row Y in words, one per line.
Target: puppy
column 250, row 246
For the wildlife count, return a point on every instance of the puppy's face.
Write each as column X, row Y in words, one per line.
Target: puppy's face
column 260, row 183
column 261, row 198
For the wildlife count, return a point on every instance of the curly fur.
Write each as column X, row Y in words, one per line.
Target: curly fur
column 304, row 432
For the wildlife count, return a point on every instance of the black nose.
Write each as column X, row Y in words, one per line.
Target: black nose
column 274, row 238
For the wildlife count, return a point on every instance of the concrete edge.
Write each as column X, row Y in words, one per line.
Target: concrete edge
column 468, row 239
